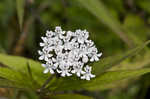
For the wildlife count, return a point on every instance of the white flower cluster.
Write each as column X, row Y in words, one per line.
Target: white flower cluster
column 67, row 53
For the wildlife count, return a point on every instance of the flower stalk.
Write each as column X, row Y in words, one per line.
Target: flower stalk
column 46, row 83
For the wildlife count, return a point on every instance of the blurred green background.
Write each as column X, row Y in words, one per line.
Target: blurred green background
column 114, row 25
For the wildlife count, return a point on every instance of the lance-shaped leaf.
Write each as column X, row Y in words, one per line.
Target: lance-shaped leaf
column 115, row 76
column 97, row 8
column 20, row 79
column 5, row 83
column 20, row 11
column 20, row 64
column 97, row 83
column 109, row 62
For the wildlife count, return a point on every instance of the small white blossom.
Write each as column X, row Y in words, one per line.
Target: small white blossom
column 87, row 75
column 67, row 53
column 50, row 34
column 49, row 67
column 45, row 42
column 58, row 32
column 82, row 36
column 64, row 70
column 44, row 55
column 77, row 68
column 94, row 56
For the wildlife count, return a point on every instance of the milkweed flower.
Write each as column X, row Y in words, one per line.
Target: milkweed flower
column 68, row 53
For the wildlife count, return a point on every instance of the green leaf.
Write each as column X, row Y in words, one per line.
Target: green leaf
column 20, row 11
column 137, row 63
column 117, row 6
column 100, row 82
column 4, row 83
column 70, row 96
column 19, row 68
column 115, row 76
column 111, row 61
column 16, row 77
column 97, row 8
column 10, row 74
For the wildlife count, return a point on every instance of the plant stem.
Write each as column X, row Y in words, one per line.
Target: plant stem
column 46, row 83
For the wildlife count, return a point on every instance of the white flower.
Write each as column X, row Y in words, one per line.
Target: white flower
column 44, row 55
column 64, row 71
column 50, row 34
column 77, row 69
column 67, row 53
column 87, row 75
column 93, row 54
column 67, row 43
column 83, row 53
column 46, row 44
column 89, row 43
column 95, row 57
column 49, row 67
column 59, row 32
column 73, row 56
column 82, row 36
column 58, row 47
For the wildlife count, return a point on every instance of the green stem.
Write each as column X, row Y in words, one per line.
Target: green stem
column 45, row 84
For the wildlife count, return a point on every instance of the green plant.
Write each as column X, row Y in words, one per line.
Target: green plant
column 115, row 27
column 26, row 74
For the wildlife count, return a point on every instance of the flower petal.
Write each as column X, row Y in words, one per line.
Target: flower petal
column 45, row 71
